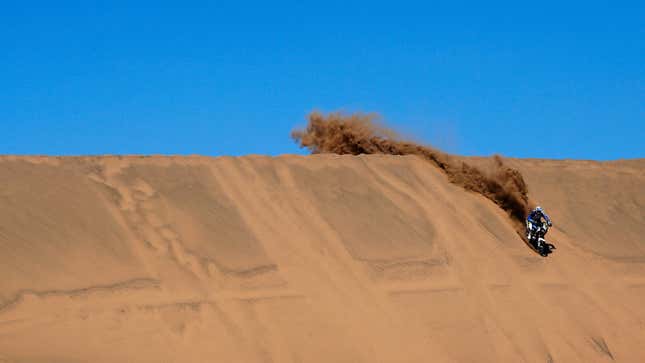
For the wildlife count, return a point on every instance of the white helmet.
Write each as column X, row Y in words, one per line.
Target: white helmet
column 538, row 209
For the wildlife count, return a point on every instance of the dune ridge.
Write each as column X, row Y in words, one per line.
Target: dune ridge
column 370, row 258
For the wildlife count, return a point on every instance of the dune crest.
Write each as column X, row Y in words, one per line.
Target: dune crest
column 320, row 258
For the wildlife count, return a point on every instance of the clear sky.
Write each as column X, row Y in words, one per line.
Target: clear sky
column 559, row 79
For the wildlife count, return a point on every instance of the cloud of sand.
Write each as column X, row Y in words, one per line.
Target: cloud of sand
column 358, row 134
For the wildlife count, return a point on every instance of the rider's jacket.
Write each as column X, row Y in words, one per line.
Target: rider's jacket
column 535, row 217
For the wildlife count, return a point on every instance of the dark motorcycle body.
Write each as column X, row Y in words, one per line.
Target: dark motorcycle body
column 538, row 242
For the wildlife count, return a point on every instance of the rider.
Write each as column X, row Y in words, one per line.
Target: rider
column 534, row 220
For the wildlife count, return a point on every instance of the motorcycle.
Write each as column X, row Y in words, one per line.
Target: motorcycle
column 538, row 242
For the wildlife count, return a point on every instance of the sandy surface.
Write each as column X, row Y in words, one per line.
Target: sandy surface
column 313, row 259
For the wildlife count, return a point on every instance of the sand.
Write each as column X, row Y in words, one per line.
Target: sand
column 320, row 258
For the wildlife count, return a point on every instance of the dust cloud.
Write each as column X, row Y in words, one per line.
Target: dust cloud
column 358, row 133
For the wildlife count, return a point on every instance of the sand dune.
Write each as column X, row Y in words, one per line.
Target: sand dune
column 321, row 258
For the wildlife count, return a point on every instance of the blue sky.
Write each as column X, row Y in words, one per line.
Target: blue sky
column 550, row 80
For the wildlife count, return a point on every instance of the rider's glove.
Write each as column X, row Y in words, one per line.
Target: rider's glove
column 549, row 223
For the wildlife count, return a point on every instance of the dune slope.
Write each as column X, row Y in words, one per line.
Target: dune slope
column 321, row 258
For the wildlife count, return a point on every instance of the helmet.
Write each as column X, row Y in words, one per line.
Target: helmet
column 538, row 209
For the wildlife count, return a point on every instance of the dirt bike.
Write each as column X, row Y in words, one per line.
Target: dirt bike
column 538, row 242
